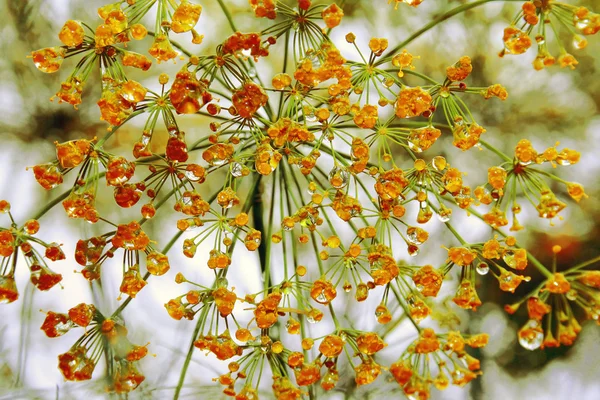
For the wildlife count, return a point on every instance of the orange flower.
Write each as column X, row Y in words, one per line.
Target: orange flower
column 461, row 256
column 466, row 296
column 224, row 300
column 331, row 346
column 509, row 281
column 185, row 17
column 422, row 139
column 132, row 282
column 369, row 343
column 558, row 284
column 56, row 325
column 323, row 291
column 8, row 289
column 307, row 374
column 427, row 342
column 264, row 8
column 536, row 308
column 412, row 102
column 461, row 70
column 71, row 34
column 161, row 48
column 515, row 41
column 401, row 371
column 266, row 311
column 590, row 278
column 75, row 365
column 248, row 99
column 82, row 314
column 366, row 372
column 50, row 59
column 332, row 15
column 428, row 281
column 130, row 237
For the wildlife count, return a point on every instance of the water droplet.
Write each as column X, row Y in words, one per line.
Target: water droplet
column 413, row 250
column 425, row 213
column 444, row 215
column 582, row 23
column 310, row 117
column 236, row 170
column 439, row 163
column 482, row 268
column 221, row 282
column 347, row 286
column 458, row 375
column 339, row 177
column 321, row 298
column 416, row 395
column 413, row 235
column 509, row 258
column 531, row 335
column 414, row 146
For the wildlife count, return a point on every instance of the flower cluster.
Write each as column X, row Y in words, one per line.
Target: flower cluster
column 17, row 239
column 102, row 335
column 537, row 19
column 552, row 306
column 330, row 171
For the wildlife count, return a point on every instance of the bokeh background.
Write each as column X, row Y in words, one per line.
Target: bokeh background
column 543, row 106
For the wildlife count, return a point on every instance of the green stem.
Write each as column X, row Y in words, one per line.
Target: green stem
column 433, row 23
column 585, row 264
column 188, row 357
column 495, row 150
column 227, row 15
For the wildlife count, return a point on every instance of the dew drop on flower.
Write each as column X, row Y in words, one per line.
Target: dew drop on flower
column 563, row 161
column 321, row 298
column 412, row 234
column 413, row 250
column 531, row 335
column 482, row 268
column 439, row 163
column 339, row 177
column 444, row 217
column 414, row 147
column 509, row 258
column 222, row 282
column 582, row 23
column 347, row 287
column 236, row 170
column 311, row 117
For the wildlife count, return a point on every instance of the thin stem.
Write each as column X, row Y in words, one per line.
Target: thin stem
column 495, row 150
column 433, row 23
column 188, row 357
column 227, row 15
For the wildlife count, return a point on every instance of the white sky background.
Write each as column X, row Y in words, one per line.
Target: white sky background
column 575, row 376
